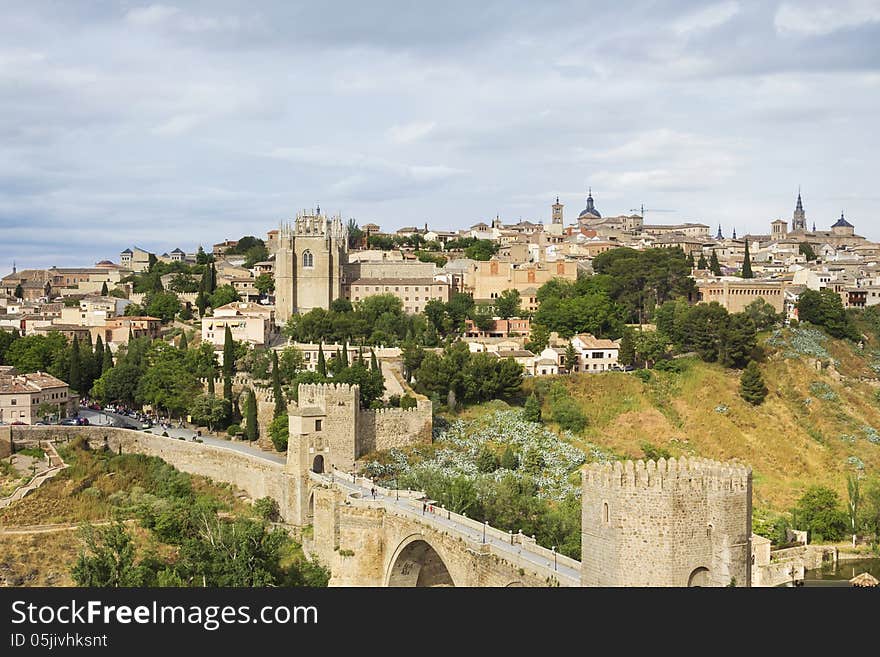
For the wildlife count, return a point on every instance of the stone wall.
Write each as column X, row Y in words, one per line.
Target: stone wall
column 675, row 523
column 256, row 476
column 5, row 442
column 394, row 427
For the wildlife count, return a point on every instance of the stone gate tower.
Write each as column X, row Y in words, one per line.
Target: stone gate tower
column 308, row 263
column 670, row 523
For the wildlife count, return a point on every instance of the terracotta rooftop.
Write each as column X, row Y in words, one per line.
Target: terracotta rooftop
column 25, row 383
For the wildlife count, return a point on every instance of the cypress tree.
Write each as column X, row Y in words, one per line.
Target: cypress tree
column 374, row 363
column 86, row 364
column 104, row 290
column 107, row 362
column 211, row 390
column 344, row 354
column 251, row 428
column 321, row 368
column 747, row 264
column 130, row 334
column 627, row 352
column 701, row 263
column 98, row 358
column 183, row 345
column 532, row 409
column 714, row 265
column 228, row 364
column 75, row 375
column 751, row 385
column 212, row 281
column 277, row 391
column 19, row 292
column 690, row 260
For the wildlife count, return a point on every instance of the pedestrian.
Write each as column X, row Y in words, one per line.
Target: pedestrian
column 373, row 492
column 424, row 506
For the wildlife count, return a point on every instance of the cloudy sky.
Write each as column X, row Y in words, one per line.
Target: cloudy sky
column 176, row 124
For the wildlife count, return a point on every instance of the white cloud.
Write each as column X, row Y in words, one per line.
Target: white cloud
column 707, row 18
column 409, row 132
column 177, row 125
column 151, row 15
column 820, row 19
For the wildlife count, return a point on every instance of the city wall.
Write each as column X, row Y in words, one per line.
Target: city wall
column 256, row 476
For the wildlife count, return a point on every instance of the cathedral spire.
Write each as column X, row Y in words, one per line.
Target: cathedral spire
column 799, row 218
column 734, row 233
column 719, row 236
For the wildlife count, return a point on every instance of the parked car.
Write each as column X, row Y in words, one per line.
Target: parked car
column 69, row 422
column 82, row 421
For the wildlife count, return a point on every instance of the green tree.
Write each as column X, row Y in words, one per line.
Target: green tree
column 747, row 263
column 701, row 263
column 252, row 429
column 223, row 295
column 650, row 346
column 572, row 358
column 183, row 345
column 202, row 302
column 487, row 460
column 751, row 385
column 107, row 559
column 355, row 234
column 509, row 461
column 321, row 367
column 532, row 409
column 74, row 379
column 228, row 364
column 265, row 284
column 806, row 250
column 290, row 362
column 763, row 314
column 507, row 304
column 19, row 292
column 825, row 309
column 818, row 511
column 853, row 500
column 714, row 265
column 277, row 391
column 107, row 361
column 203, row 258
column 539, row 338
column 627, row 351
column 166, row 382
column 104, row 290
column 210, row 411
column 279, row 432
column 164, row 305
column 481, row 250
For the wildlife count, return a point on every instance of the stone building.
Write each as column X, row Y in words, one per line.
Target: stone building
column 670, row 523
column 308, row 264
column 248, row 322
column 737, row 293
column 21, row 396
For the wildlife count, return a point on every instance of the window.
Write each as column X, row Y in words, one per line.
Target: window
column 308, row 259
column 14, row 402
column 318, row 424
column 605, row 512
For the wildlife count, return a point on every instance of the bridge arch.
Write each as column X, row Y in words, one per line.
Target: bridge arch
column 699, row 577
column 416, row 562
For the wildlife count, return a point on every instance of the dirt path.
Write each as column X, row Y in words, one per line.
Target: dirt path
column 59, row 527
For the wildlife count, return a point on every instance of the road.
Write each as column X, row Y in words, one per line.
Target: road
column 101, row 418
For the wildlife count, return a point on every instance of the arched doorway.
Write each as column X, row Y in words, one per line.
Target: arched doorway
column 318, row 464
column 418, row 564
column 700, row 577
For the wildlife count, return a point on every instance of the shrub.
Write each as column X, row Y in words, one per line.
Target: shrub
column 487, row 460
column 509, row 460
column 751, row 385
column 279, row 432
column 532, row 409
column 654, row 452
column 643, row 375
column 408, row 401
column 568, row 415
column 234, row 429
column 267, row 509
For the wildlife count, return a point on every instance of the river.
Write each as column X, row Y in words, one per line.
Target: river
column 840, row 573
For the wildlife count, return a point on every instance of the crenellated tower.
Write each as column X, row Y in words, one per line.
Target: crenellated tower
column 308, row 263
column 684, row 522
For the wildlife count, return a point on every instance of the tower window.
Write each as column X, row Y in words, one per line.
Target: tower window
column 308, row 259
column 605, row 512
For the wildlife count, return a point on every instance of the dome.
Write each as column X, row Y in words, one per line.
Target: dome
column 842, row 223
column 590, row 210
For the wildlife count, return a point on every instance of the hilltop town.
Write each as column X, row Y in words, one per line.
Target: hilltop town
column 354, row 351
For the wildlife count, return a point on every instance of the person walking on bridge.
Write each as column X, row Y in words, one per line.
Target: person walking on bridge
column 373, row 492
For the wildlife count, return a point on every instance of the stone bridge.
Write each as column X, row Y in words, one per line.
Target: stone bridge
column 393, row 540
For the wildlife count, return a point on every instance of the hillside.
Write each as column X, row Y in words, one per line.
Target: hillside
column 818, row 422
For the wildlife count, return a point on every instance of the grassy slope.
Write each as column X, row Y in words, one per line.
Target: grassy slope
column 789, row 444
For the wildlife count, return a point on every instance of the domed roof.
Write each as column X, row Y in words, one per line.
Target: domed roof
column 590, row 209
column 842, row 223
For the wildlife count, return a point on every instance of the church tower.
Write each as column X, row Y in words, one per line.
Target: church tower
column 557, row 212
column 308, row 264
column 799, row 219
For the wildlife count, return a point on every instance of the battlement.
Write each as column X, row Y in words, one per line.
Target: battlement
column 693, row 473
column 311, row 223
column 419, row 409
